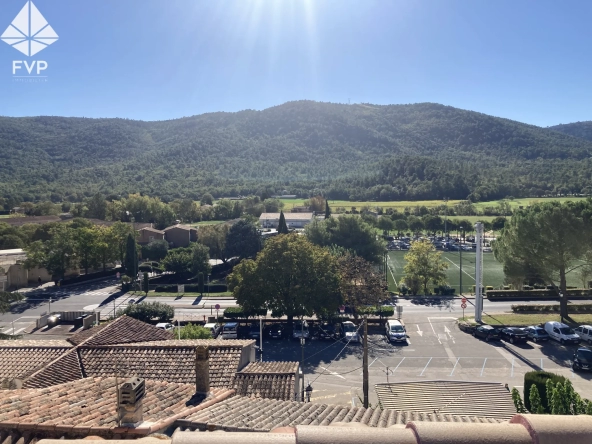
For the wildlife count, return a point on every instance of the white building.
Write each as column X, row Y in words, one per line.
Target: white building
column 293, row 220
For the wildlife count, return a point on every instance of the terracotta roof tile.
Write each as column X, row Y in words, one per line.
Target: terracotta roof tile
column 196, row 343
column 164, row 360
column 448, row 397
column 22, row 361
column 122, row 330
column 246, row 414
column 52, row 343
column 92, row 402
column 266, row 386
column 271, row 367
column 66, row 368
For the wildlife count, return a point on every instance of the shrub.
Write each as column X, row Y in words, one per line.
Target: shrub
column 149, row 312
column 539, row 378
column 574, row 308
column 239, row 313
column 191, row 331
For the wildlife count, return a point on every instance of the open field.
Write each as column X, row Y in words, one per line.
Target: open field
column 401, row 205
column 206, row 222
column 493, row 274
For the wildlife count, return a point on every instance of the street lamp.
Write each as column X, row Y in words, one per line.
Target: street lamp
column 561, row 311
column 308, row 391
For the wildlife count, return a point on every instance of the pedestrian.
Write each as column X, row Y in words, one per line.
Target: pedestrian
column 39, row 280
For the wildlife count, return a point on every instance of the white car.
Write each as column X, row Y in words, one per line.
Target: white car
column 214, row 329
column 395, row 331
column 585, row 333
column 561, row 332
column 165, row 326
column 349, row 332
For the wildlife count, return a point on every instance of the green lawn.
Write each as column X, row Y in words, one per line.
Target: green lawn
column 206, row 222
column 493, row 274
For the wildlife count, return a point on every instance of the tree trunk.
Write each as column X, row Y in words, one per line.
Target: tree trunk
column 563, row 288
column 291, row 324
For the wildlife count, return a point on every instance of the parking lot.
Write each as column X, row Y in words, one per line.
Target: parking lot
column 436, row 349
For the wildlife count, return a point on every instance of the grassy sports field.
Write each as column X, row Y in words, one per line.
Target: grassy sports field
column 401, row 205
column 493, row 274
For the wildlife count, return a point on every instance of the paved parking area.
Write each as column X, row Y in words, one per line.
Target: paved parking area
column 436, row 349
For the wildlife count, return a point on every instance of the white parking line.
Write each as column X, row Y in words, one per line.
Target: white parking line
column 426, row 366
column 483, row 367
column 331, row 373
column 541, row 363
column 453, row 368
column 398, row 365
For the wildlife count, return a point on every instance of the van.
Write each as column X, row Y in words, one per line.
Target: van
column 561, row 332
column 214, row 329
column 395, row 331
column 585, row 333
column 300, row 330
column 230, row 330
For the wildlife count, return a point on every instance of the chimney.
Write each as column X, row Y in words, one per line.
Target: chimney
column 202, row 370
column 130, row 405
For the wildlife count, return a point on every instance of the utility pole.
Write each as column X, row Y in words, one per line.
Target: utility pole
column 445, row 217
column 460, row 251
column 365, row 362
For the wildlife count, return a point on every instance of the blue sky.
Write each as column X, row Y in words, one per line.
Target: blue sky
column 161, row 59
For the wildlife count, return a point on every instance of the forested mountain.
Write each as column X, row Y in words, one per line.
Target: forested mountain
column 582, row 130
column 360, row 151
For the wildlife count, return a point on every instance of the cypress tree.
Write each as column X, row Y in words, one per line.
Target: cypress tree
column 146, row 283
column 282, row 227
column 131, row 258
column 327, row 210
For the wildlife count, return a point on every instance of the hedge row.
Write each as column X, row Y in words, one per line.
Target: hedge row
column 212, row 288
column 384, row 311
column 239, row 313
column 573, row 308
column 581, row 293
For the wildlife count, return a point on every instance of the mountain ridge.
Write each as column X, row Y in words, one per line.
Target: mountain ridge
column 305, row 145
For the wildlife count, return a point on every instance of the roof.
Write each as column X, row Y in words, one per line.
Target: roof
column 182, row 227
column 65, row 368
column 448, row 397
column 153, row 230
column 122, row 330
column 20, row 359
column 92, row 402
column 522, row 429
column 246, row 414
column 165, row 360
column 288, row 216
column 270, row 380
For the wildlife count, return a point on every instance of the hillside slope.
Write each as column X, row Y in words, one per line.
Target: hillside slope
column 352, row 150
column 582, row 130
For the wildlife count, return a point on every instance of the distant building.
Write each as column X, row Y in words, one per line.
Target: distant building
column 148, row 235
column 301, row 209
column 180, row 235
column 293, row 220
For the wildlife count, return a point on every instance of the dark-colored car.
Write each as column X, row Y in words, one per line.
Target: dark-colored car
column 254, row 331
column 326, row 331
column 582, row 359
column 513, row 335
column 486, row 332
column 536, row 334
column 273, row 331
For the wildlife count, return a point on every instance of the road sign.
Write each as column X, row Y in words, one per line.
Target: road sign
column 464, row 300
column 217, row 306
column 463, row 305
column 342, row 309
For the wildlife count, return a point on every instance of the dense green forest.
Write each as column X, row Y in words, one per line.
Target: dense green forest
column 582, row 130
column 362, row 151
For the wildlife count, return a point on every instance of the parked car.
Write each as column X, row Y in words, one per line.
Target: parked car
column 300, row 330
column 561, row 332
column 326, row 331
column 165, row 326
column 254, row 331
column 513, row 335
column 214, row 329
column 349, row 332
column 230, row 330
column 395, row 331
column 486, row 332
column 585, row 333
column 582, row 359
column 273, row 331
column 536, row 334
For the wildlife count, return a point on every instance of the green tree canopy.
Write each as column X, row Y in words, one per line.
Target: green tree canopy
column 178, row 260
column 131, row 257
column 349, row 232
column 545, row 242
column 214, row 237
column 242, row 240
column 149, row 312
column 200, row 260
column 191, row 331
column 291, row 277
column 424, row 265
